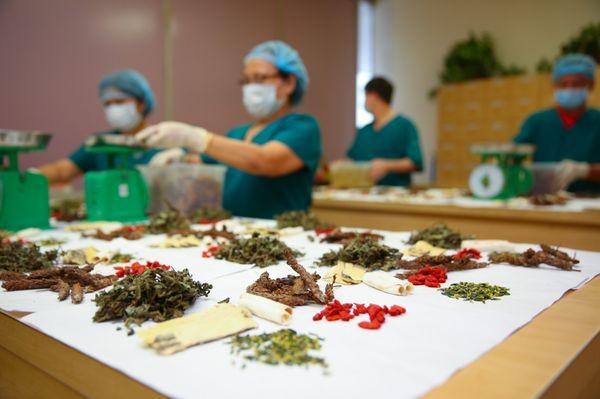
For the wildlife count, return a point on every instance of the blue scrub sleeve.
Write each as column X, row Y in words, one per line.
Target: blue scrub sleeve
column 525, row 135
column 413, row 149
column 304, row 139
column 83, row 159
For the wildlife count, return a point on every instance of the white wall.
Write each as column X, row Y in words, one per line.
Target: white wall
column 413, row 36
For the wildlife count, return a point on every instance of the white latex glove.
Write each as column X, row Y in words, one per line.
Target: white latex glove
column 175, row 134
column 167, row 156
column 568, row 171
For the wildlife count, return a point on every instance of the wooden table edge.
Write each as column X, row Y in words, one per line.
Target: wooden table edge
column 475, row 378
column 82, row 373
column 588, row 218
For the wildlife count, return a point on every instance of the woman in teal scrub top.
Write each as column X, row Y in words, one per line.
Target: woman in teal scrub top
column 272, row 161
column 391, row 142
column 127, row 100
column 569, row 133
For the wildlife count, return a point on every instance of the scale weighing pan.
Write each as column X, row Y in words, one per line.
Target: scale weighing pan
column 23, row 140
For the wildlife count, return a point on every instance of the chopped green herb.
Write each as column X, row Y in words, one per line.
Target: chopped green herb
column 281, row 347
column 479, row 292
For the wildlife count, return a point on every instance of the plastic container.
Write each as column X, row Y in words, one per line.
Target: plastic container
column 350, row 174
column 188, row 187
column 544, row 178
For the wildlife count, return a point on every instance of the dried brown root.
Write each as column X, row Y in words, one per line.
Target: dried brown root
column 309, row 281
column 25, row 284
column 63, row 290
column 5, row 276
column 76, row 293
column 337, row 236
column 531, row 258
column 68, row 280
column 126, row 232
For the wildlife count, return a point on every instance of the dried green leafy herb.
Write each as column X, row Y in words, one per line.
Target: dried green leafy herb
column 25, row 257
column 439, row 235
column 119, row 258
column 68, row 210
column 168, row 221
column 156, row 294
column 281, row 347
column 50, row 242
column 211, row 215
column 259, row 250
column 365, row 252
column 306, row 220
column 479, row 292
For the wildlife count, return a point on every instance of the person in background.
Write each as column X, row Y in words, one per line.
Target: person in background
column 272, row 160
column 127, row 100
column 568, row 133
column 390, row 142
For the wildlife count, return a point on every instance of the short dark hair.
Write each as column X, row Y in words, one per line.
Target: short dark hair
column 382, row 87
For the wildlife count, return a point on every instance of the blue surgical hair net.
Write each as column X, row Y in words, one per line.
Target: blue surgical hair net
column 286, row 60
column 131, row 82
column 580, row 64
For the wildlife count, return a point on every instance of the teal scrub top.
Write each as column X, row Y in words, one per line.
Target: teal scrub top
column 399, row 138
column 249, row 195
column 555, row 143
column 91, row 162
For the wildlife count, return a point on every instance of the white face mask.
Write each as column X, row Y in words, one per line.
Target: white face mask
column 260, row 99
column 123, row 117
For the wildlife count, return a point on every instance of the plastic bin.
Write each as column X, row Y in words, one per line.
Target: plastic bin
column 188, row 187
column 544, row 178
column 350, row 174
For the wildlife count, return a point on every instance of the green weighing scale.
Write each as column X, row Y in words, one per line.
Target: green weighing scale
column 24, row 197
column 118, row 193
column 502, row 173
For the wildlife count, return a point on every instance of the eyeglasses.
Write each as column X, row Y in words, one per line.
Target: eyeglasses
column 259, row 78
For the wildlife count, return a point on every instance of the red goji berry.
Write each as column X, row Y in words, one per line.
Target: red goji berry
column 369, row 325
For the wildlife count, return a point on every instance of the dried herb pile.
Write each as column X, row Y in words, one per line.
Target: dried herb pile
column 337, row 236
column 213, row 233
column 68, row 210
column 479, row 292
column 126, row 232
column 211, row 215
column 548, row 199
column 119, row 258
column 67, row 281
column 50, row 242
column 439, row 235
column 156, row 294
column 306, row 220
column 168, row 221
column 20, row 256
column 292, row 290
column 532, row 258
column 259, row 250
column 366, row 252
column 464, row 260
column 281, row 347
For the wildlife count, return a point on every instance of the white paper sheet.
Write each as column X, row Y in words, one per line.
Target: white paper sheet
column 407, row 357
